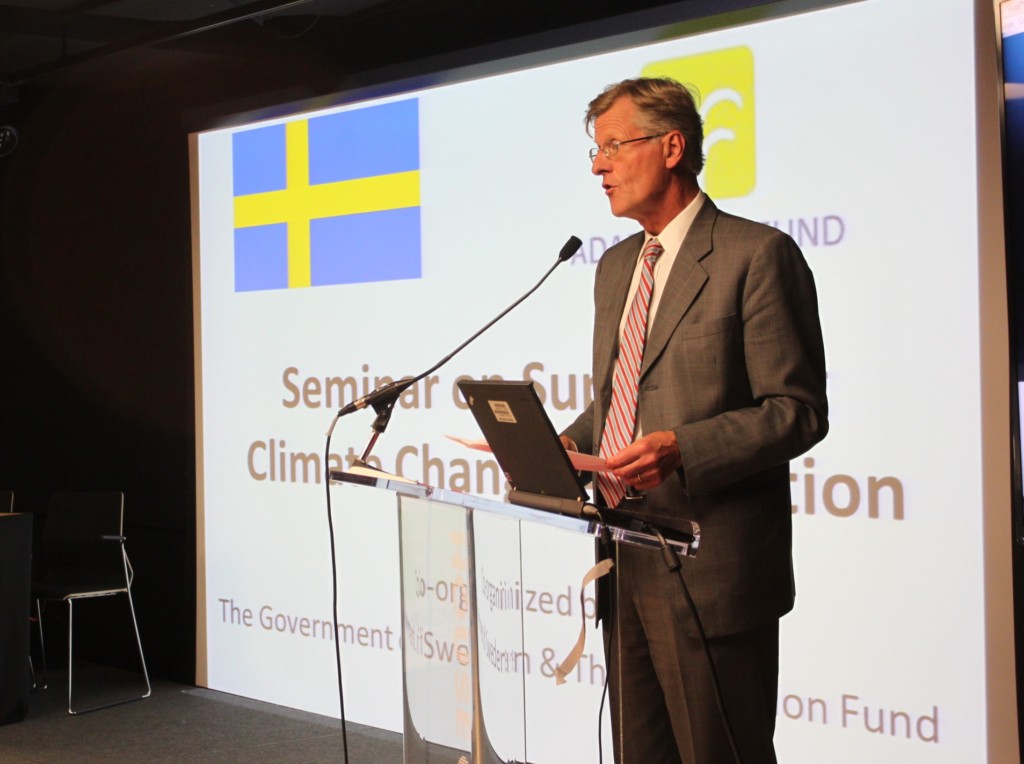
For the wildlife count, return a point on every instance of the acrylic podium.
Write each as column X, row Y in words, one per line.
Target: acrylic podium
column 464, row 646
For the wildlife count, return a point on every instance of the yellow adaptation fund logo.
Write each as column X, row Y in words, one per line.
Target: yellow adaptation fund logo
column 724, row 81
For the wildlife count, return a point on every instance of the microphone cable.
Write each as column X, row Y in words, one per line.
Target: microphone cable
column 605, row 540
column 674, row 566
column 334, row 592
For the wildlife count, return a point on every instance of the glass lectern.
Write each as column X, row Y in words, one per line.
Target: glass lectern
column 467, row 655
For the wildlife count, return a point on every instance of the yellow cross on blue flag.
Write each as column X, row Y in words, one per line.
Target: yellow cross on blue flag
column 328, row 200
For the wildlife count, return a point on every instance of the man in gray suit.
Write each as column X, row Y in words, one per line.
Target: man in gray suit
column 730, row 385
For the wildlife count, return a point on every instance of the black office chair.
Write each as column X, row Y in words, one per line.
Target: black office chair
column 82, row 556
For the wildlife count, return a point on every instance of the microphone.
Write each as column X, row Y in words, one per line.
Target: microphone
column 382, row 395
column 383, row 398
column 570, row 248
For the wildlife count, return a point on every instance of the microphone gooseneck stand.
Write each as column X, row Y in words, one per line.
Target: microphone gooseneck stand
column 383, row 400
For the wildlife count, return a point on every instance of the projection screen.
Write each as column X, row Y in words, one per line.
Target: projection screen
column 340, row 247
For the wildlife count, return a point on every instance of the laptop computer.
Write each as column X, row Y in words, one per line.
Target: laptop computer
column 524, row 442
column 528, row 449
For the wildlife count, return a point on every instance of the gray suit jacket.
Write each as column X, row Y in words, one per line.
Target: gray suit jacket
column 735, row 366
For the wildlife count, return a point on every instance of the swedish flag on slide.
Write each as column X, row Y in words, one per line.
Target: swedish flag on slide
column 328, row 200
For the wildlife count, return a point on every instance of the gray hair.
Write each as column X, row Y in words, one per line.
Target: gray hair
column 663, row 105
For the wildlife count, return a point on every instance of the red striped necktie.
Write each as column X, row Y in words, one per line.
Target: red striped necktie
column 620, row 425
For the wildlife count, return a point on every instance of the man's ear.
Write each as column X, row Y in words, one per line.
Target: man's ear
column 675, row 147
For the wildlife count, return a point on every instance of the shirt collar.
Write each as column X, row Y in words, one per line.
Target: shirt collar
column 671, row 237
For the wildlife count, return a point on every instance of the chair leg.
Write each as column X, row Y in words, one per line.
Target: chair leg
column 145, row 674
column 42, row 644
column 71, row 632
column 138, row 641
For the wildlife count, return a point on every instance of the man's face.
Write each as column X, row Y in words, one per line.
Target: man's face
column 636, row 179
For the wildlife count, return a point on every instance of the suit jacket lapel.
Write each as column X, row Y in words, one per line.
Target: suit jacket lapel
column 683, row 285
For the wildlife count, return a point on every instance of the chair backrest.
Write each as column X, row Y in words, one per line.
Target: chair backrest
column 6, row 501
column 81, row 537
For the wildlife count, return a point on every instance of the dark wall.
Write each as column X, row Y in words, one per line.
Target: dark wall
column 96, row 301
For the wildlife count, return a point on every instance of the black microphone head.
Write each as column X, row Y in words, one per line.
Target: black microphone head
column 570, row 248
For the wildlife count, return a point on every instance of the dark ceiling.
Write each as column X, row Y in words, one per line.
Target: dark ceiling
column 247, row 55
column 39, row 37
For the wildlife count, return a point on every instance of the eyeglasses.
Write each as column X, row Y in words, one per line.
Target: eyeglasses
column 611, row 148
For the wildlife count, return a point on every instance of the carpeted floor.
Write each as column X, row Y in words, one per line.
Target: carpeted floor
column 179, row 723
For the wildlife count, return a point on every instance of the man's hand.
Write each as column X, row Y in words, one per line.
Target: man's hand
column 646, row 463
column 567, row 443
